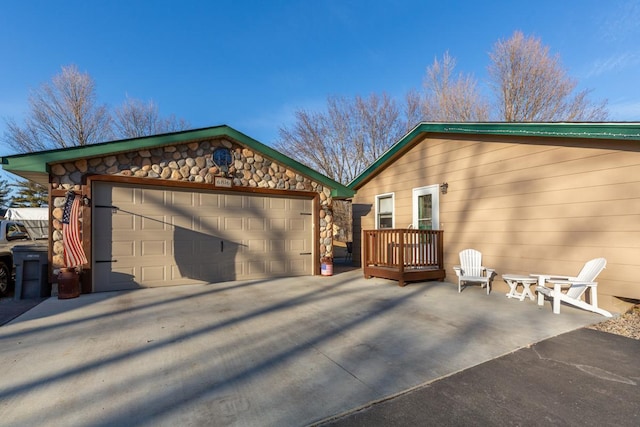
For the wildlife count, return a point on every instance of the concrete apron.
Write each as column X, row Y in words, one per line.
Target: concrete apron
column 270, row 352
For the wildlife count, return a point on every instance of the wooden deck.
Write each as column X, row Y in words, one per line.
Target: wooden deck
column 403, row 255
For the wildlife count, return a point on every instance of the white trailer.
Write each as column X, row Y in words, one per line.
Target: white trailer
column 35, row 219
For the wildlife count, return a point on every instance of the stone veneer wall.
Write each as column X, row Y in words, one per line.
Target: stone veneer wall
column 190, row 162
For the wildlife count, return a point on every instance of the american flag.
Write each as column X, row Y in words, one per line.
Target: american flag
column 74, row 255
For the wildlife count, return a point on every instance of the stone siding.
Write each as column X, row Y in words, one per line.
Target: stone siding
column 189, row 162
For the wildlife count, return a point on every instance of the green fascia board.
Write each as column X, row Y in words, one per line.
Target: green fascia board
column 620, row 130
column 38, row 162
column 338, row 190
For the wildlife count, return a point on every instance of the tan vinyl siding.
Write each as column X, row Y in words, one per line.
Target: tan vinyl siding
column 528, row 204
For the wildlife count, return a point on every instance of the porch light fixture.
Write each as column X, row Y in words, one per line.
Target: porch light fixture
column 444, row 187
column 86, row 201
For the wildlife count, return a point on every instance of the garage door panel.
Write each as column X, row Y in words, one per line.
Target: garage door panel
column 277, row 224
column 202, row 256
column 257, row 268
column 163, row 236
column 183, row 248
column 153, row 222
column 118, row 278
column 124, row 248
column 123, row 222
column 210, row 246
column 258, row 246
column 299, row 205
column 233, row 201
column 103, row 229
column 256, row 224
column 153, row 248
column 278, row 204
column 231, row 224
column 209, row 223
column 123, row 195
column 208, row 200
column 151, row 273
column 298, row 245
column 231, row 270
column 278, row 267
column 149, row 197
column 297, row 224
column 177, row 273
column 299, row 266
column 256, row 203
column 182, row 221
column 181, row 198
column 277, row 246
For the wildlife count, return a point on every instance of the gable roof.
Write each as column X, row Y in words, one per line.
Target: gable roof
column 621, row 130
column 35, row 166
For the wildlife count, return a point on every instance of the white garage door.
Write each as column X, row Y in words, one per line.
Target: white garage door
column 156, row 236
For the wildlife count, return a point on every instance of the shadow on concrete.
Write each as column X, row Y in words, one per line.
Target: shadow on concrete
column 268, row 352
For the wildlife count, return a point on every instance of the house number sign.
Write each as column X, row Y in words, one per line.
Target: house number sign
column 222, row 182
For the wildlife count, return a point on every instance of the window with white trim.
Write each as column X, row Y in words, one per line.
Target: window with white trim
column 384, row 211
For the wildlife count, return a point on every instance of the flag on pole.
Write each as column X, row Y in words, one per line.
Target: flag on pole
column 74, row 255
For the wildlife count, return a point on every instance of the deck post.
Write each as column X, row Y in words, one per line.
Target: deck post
column 401, row 258
column 441, row 251
column 363, row 249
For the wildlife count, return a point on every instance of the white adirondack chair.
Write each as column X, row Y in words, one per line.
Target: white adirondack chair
column 575, row 288
column 472, row 270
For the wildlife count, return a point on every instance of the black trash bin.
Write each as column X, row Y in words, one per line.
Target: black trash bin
column 32, row 280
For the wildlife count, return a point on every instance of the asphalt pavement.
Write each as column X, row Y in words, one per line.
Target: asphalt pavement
column 10, row 308
column 580, row 378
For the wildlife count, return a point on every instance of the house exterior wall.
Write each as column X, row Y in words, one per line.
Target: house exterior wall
column 189, row 162
column 530, row 205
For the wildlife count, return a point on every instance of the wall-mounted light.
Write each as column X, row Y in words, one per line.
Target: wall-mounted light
column 444, row 187
column 86, row 201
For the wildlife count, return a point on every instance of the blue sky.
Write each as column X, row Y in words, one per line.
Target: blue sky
column 251, row 64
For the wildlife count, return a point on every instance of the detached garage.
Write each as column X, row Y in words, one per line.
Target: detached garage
column 200, row 206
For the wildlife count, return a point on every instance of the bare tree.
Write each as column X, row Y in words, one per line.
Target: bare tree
column 135, row 118
column 66, row 113
column 450, row 97
column 413, row 109
column 380, row 125
column 63, row 113
column 531, row 85
column 345, row 139
column 307, row 142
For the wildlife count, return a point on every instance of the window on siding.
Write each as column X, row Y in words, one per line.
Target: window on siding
column 384, row 211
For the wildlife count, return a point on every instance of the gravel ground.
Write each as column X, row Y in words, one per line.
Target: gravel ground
column 627, row 324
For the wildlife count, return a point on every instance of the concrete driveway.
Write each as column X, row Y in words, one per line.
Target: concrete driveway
column 272, row 353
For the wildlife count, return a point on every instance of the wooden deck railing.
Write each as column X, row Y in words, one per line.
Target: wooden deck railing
column 403, row 255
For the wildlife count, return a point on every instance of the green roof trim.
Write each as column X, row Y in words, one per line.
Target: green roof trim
column 621, row 130
column 33, row 165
